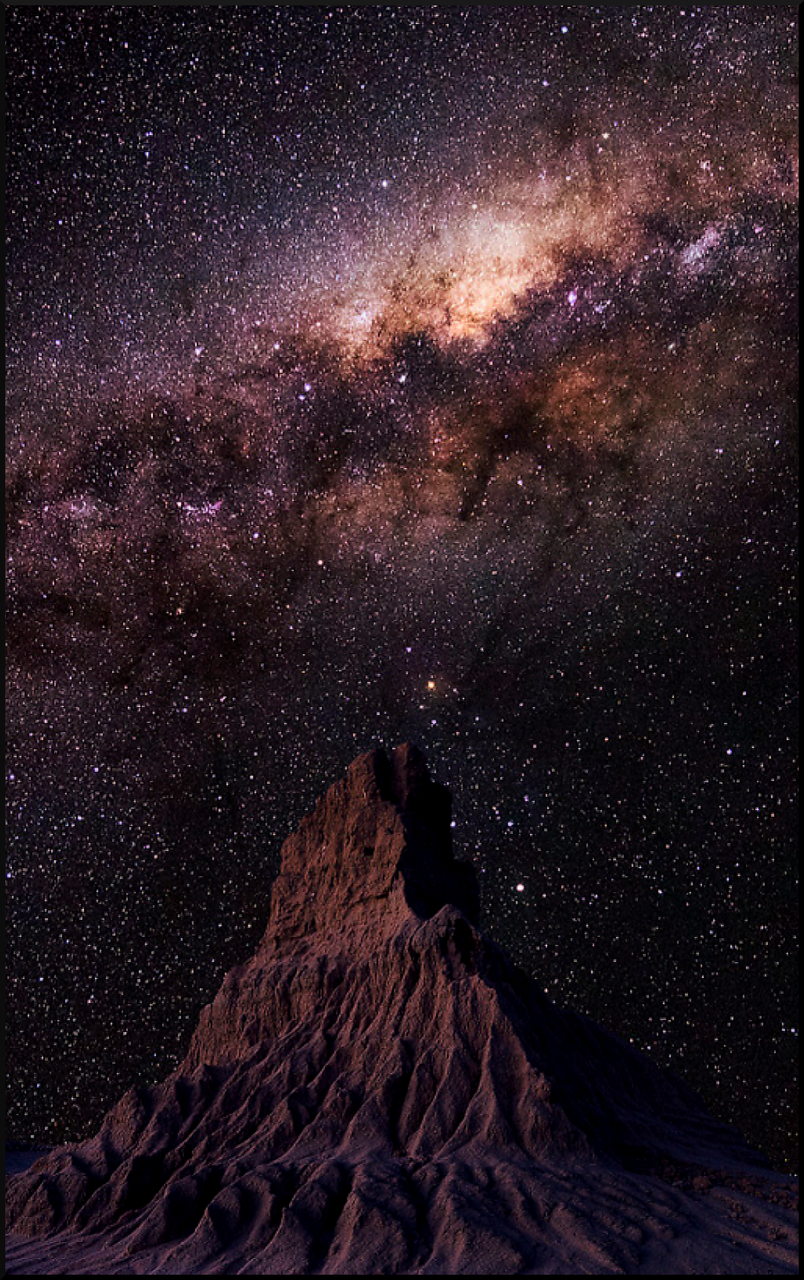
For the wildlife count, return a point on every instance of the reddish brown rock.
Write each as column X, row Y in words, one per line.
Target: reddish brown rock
column 379, row 1091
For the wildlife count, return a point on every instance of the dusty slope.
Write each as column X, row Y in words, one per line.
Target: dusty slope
column 379, row 1091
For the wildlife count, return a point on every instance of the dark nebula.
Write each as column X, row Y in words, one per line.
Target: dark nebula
column 380, row 374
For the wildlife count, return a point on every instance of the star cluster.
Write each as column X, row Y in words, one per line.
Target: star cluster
column 387, row 373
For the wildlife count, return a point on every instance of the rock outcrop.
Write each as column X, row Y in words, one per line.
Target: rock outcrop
column 380, row 1091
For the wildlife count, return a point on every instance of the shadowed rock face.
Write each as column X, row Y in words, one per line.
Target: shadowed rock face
column 378, row 1090
column 376, row 848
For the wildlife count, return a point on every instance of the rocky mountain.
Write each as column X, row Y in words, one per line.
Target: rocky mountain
column 380, row 1091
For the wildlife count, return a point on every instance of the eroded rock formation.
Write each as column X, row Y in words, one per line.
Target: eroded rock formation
column 380, row 1091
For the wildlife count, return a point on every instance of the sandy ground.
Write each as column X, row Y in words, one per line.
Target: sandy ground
column 620, row 1224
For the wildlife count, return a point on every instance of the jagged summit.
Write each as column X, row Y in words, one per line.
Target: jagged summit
column 377, row 844
column 378, row 1090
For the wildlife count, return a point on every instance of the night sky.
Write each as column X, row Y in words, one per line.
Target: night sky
column 380, row 374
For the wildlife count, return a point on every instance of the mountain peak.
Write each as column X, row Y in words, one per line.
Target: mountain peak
column 379, row 842
column 378, row 1090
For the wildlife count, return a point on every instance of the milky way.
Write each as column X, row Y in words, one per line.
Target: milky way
column 381, row 374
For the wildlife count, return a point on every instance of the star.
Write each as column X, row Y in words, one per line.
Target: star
column 426, row 379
